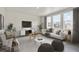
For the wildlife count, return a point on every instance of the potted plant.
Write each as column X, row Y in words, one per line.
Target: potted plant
column 40, row 27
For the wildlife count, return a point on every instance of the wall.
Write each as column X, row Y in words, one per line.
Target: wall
column 2, row 11
column 16, row 18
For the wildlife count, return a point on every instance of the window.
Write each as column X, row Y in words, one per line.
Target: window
column 48, row 22
column 62, row 20
column 56, row 21
column 67, row 18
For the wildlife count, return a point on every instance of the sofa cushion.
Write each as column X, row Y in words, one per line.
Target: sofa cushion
column 58, row 32
column 47, row 34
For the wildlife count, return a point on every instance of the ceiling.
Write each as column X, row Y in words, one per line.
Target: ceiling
column 37, row 11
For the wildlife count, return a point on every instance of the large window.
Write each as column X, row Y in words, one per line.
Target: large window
column 49, row 24
column 56, row 21
column 62, row 20
column 68, row 18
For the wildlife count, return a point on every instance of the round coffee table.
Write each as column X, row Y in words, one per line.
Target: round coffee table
column 39, row 40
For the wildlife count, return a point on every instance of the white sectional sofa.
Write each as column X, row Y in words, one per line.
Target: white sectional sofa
column 53, row 34
column 61, row 36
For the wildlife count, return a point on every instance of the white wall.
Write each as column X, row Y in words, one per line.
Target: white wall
column 43, row 22
column 17, row 17
column 2, row 11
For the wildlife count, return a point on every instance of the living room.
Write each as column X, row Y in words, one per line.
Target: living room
column 44, row 23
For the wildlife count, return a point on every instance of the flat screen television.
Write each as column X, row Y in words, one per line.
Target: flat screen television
column 26, row 24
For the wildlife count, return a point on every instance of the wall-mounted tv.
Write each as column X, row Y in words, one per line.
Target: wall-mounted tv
column 26, row 24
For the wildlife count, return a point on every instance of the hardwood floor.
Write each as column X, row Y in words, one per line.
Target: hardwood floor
column 27, row 45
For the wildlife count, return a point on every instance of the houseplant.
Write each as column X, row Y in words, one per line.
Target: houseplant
column 40, row 27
